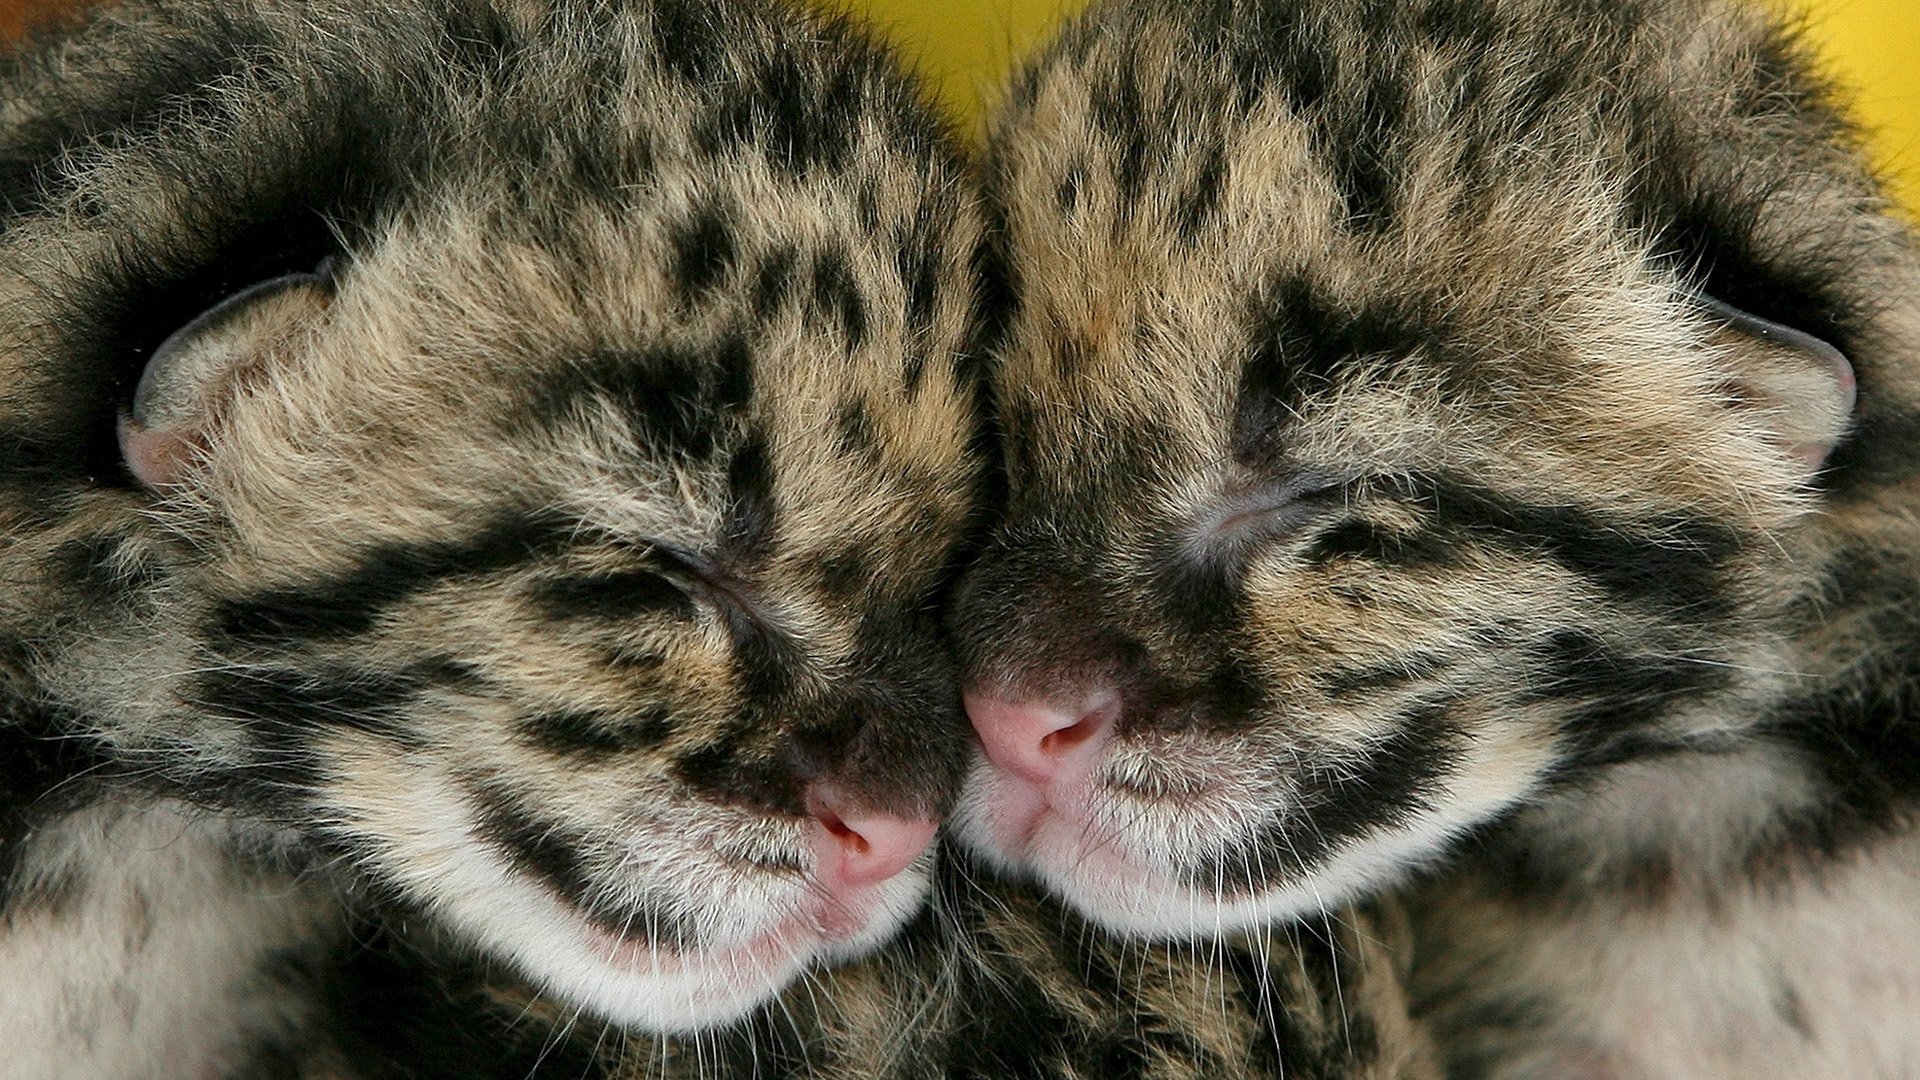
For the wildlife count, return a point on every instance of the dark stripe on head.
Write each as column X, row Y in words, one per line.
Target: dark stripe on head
column 1672, row 564
column 283, row 705
column 1615, row 695
column 348, row 603
column 597, row 736
column 613, row 596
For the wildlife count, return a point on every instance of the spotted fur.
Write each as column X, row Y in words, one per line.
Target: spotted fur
column 1425, row 439
column 535, row 563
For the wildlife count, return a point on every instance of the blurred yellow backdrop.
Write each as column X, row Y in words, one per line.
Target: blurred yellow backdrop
column 1873, row 46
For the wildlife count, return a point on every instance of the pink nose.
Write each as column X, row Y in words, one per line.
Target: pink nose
column 862, row 847
column 1044, row 741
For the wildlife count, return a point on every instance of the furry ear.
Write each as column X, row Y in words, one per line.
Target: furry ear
column 1802, row 385
column 193, row 375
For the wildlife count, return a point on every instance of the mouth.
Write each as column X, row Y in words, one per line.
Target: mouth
column 717, row 948
column 1076, row 842
column 643, row 984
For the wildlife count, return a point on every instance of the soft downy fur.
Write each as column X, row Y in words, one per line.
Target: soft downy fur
column 1432, row 445
column 994, row 981
column 555, row 430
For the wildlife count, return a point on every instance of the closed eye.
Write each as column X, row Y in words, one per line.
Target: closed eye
column 708, row 580
column 1269, row 512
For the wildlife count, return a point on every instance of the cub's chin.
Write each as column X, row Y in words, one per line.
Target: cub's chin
column 684, row 921
column 1172, row 866
column 635, row 982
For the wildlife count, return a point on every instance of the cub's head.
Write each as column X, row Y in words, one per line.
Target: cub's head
column 518, row 448
column 1410, row 409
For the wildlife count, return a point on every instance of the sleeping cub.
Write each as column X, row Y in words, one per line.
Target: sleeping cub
column 1477, row 432
column 495, row 460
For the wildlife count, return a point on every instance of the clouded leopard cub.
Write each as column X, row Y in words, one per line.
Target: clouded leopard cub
column 494, row 459
column 1431, row 429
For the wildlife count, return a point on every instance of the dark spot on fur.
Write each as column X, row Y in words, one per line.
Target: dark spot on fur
column 853, row 429
column 689, row 39
column 1066, row 195
column 917, row 261
column 845, row 573
column 1200, row 202
column 1304, row 341
column 679, row 398
column 773, row 282
column 703, row 249
column 836, row 294
column 752, row 512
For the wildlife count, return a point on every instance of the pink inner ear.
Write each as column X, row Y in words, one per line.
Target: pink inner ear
column 158, row 459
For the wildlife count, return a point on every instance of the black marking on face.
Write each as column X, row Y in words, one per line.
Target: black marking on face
column 1344, row 798
column 1360, row 538
column 728, row 772
column 853, row 430
column 598, row 736
column 752, row 510
column 1201, row 202
column 285, row 703
column 1672, row 563
column 773, row 281
column 554, row 854
column 1615, row 694
column 1303, row 341
column 703, row 249
column 680, row 399
column 349, row 602
column 614, row 596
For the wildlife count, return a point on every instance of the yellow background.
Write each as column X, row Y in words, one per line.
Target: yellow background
column 1872, row 45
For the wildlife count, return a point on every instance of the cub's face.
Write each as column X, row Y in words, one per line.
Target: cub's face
column 1380, row 456
column 519, row 451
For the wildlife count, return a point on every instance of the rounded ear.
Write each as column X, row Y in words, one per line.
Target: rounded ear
column 1803, row 385
column 194, row 373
